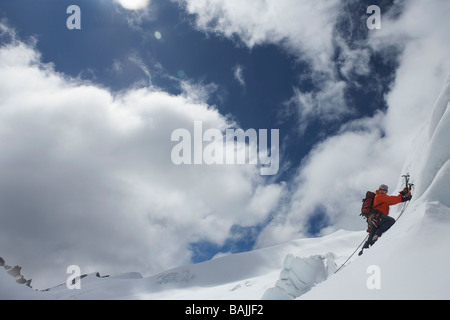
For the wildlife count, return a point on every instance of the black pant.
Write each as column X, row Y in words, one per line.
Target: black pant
column 385, row 223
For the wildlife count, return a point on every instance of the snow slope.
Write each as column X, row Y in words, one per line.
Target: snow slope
column 409, row 262
column 237, row 276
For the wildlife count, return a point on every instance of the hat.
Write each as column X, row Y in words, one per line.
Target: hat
column 383, row 186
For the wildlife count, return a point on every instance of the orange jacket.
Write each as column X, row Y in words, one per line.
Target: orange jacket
column 383, row 201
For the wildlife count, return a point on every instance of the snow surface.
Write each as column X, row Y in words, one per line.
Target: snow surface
column 409, row 262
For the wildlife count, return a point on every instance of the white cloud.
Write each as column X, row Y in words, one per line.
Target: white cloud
column 87, row 178
column 329, row 179
column 327, row 105
column 134, row 58
column 307, row 26
column 197, row 92
column 352, row 62
column 423, row 32
column 238, row 73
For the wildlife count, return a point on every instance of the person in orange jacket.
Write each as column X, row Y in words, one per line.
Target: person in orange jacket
column 380, row 221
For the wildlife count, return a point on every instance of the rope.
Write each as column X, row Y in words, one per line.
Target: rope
column 405, row 205
column 365, row 238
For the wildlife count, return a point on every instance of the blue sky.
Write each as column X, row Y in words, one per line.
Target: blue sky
column 311, row 69
column 270, row 71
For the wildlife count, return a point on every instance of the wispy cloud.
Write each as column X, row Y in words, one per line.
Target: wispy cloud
column 134, row 58
column 238, row 72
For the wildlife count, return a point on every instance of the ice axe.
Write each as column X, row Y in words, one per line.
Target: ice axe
column 407, row 184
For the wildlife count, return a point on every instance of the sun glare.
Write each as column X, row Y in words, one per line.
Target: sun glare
column 134, row 4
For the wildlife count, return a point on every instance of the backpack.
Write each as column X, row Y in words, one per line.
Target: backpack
column 367, row 209
column 367, row 205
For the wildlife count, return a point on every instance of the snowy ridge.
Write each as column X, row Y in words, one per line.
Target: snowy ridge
column 237, row 276
column 411, row 257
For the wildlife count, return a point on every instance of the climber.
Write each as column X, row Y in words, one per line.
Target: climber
column 380, row 221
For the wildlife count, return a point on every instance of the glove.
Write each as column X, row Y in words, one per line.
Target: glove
column 406, row 198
